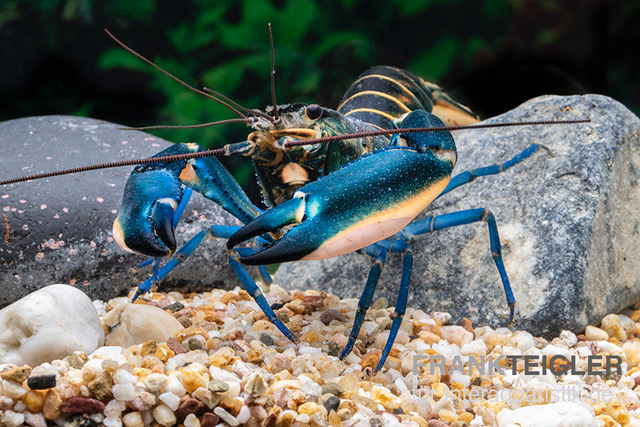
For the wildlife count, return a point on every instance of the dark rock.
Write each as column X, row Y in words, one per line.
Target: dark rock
column 58, row 230
column 190, row 406
column 266, row 339
column 176, row 306
column 568, row 225
column 333, row 402
column 331, row 314
column 41, row 382
column 82, row 405
column 209, row 419
column 175, row 346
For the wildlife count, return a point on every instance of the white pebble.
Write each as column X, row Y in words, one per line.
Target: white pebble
column 154, row 382
column 112, row 422
column 569, row 338
column 124, row 392
column 133, row 419
column 35, row 420
column 12, row 419
column 170, row 399
column 192, row 421
column 164, row 415
column 175, row 386
column 121, row 376
column 243, row 416
column 521, row 340
column 474, row 348
column 113, row 408
column 227, row 417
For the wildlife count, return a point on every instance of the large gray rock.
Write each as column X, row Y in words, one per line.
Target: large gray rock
column 58, row 230
column 568, row 224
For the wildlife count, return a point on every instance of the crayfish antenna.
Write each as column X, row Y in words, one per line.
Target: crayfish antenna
column 277, row 120
column 171, row 76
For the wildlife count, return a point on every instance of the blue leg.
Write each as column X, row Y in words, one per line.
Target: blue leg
column 253, row 290
column 468, row 176
column 440, row 222
column 403, row 248
column 266, row 277
column 379, row 254
column 221, row 231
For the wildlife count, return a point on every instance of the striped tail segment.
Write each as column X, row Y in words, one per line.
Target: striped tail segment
column 382, row 94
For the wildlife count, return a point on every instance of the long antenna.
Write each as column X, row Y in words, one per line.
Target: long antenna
column 201, row 125
column 356, row 135
column 223, row 150
column 166, row 73
column 273, row 82
column 238, row 106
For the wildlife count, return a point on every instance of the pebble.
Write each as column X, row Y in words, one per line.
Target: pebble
column 41, row 382
column 236, row 379
column 60, row 320
column 131, row 324
column 593, row 333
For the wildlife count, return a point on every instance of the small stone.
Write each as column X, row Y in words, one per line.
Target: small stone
column 34, row 400
column 132, row 324
column 366, row 402
column 52, row 404
column 194, row 343
column 256, row 385
column 101, row 386
column 12, row 390
column 171, row 400
column 17, row 374
column 612, row 326
column 554, row 414
column 226, row 417
column 380, row 304
column 190, row 406
column 164, row 415
column 35, row 419
column 332, row 388
column 82, row 405
column 616, row 410
column 632, row 352
column 436, row 423
column 133, row 419
column 593, row 333
column 41, row 382
column 232, row 405
column 285, row 419
column 332, row 314
column 455, row 334
column 176, row 306
column 386, row 398
column 266, row 339
column 150, row 348
column 77, row 359
column 217, row 386
column 175, row 346
column 209, row 419
column 332, row 403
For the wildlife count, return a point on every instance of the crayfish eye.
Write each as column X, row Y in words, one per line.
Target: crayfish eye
column 313, row 112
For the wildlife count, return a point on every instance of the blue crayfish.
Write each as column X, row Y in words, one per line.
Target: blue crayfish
column 335, row 181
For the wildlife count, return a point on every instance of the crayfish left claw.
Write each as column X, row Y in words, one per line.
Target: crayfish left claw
column 145, row 223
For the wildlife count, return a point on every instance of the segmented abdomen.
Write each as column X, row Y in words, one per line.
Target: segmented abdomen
column 383, row 93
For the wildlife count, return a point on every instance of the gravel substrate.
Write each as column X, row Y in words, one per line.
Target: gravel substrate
column 230, row 366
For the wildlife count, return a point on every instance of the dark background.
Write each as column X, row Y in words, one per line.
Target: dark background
column 490, row 54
